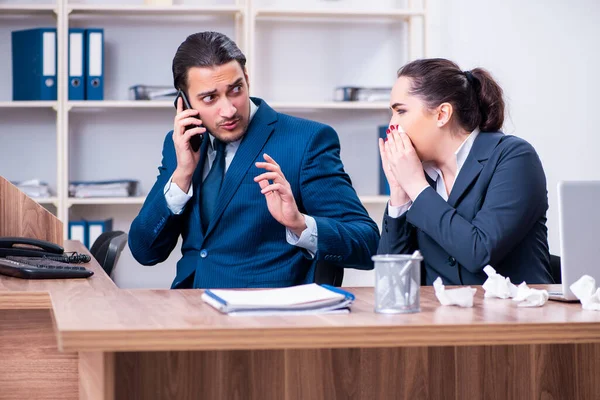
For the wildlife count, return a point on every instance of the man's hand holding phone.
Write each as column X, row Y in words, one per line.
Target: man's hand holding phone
column 187, row 158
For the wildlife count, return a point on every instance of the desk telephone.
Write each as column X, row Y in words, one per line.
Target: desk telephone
column 38, row 259
column 27, row 247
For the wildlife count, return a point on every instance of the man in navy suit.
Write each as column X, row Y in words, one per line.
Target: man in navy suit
column 263, row 199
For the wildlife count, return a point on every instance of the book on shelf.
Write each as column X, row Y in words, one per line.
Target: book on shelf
column 148, row 92
column 34, row 64
column 95, row 228
column 354, row 93
column 94, row 63
column 87, row 231
column 111, row 188
column 296, row 300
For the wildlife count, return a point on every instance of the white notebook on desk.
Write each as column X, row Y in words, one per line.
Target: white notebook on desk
column 302, row 299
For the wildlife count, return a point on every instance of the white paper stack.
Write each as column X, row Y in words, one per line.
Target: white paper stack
column 117, row 188
column 148, row 92
column 34, row 188
column 302, row 299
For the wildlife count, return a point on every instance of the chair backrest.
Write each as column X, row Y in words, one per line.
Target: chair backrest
column 107, row 248
column 328, row 274
column 555, row 268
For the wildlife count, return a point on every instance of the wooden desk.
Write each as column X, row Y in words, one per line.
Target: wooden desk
column 162, row 344
column 31, row 367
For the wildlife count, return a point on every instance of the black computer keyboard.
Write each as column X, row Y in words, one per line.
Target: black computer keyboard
column 41, row 268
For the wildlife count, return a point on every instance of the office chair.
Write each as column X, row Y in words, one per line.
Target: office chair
column 328, row 274
column 107, row 248
column 555, row 268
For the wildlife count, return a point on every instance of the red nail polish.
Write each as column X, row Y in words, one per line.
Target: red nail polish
column 386, row 139
column 392, row 127
column 388, row 132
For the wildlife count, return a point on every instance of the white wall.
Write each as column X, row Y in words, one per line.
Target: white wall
column 545, row 55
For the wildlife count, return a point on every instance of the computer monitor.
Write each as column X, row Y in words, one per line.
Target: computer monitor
column 579, row 225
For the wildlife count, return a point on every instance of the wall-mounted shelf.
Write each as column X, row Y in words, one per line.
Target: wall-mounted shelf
column 278, row 105
column 46, row 200
column 330, row 105
column 246, row 14
column 338, row 14
column 28, row 104
column 374, row 199
column 293, row 66
column 140, row 200
column 109, row 104
column 27, row 9
column 106, row 200
column 135, row 10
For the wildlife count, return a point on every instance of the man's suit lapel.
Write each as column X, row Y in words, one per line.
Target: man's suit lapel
column 260, row 129
column 484, row 145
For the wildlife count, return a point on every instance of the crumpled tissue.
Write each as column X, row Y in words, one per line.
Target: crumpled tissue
column 587, row 293
column 530, row 297
column 497, row 286
column 462, row 297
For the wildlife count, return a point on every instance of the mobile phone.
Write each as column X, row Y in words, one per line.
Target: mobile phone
column 196, row 140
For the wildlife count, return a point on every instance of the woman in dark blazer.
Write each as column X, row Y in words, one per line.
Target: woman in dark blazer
column 462, row 192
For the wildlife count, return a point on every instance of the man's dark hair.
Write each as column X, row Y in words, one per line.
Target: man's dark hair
column 204, row 49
